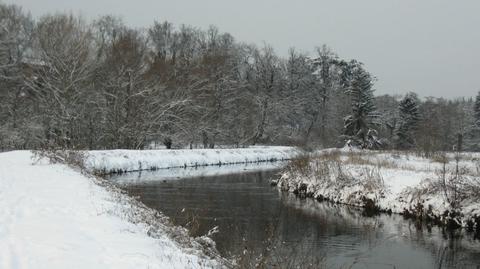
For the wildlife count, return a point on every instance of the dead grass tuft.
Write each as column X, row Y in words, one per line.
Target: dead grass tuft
column 300, row 165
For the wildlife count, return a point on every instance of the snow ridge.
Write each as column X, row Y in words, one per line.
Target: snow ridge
column 118, row 161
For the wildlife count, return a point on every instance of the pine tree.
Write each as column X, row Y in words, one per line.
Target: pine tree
column 358, row 125
column 409, row 117
column 477, row 110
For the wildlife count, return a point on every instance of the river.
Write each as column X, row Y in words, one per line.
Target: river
column 259, row 225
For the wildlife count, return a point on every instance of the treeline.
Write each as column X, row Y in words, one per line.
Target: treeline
column 66, row 83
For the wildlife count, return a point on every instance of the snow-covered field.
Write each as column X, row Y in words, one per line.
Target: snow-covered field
column 52, row 216
column 111, row 161
column 393, row 181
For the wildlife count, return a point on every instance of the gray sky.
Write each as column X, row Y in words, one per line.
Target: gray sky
column 428, row 46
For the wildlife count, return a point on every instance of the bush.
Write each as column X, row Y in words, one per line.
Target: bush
column 72, row 158
column 300, row 165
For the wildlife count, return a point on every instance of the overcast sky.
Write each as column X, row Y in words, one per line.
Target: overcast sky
column 428, row 46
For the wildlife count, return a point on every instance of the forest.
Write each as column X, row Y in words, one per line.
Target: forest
column 74, row 84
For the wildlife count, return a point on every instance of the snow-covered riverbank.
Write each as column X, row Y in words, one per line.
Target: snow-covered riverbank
column 54, row 217
column 393, row 182
column 192, row 172
column 112, row 161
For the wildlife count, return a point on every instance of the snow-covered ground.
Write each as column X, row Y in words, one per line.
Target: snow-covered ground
column 52, row 216
column 393, row 181
column 110, row 161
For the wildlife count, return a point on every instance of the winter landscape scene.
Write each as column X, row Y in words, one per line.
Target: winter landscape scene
column 248, row 134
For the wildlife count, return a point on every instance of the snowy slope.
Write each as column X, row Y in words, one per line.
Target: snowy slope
column 54, row 217
column 110, row 161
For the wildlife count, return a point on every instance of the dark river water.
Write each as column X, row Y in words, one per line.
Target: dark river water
column 258, row 225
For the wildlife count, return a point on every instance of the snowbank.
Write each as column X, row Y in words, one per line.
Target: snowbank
column 191, row 172
column 392, row 182
column 112, row 161
column 54, row 217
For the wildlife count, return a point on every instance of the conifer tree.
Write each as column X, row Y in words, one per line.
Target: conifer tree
column 358, row 126
column 408, row 120
column 477, row 110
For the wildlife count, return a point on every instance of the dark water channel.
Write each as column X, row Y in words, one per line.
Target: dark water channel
column 259, row 224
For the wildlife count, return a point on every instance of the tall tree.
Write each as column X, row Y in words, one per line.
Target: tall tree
column 358, row 127
column 62, row 78
column 17, row 127
column 477, row 110
column 326, row 71
column 265, row 82
column 299, row 80
column 387, row 107
column 408, row 120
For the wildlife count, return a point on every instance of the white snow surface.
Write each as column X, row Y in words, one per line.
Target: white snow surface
column 54, row 217
column 110, row 161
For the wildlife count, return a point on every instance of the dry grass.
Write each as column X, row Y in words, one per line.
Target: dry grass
column 373, row 179
column 72, row 158
column 275, row 254
column 361, row 158
column 371, row 159
column 394, row 159
column 300, row 165
column 439, row 158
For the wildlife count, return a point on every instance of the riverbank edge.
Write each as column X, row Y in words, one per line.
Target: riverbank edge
column 107, row 162
column 159, row 223
column 303, row 187
column 449, row 220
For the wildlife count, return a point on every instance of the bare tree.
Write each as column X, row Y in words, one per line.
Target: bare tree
column 265, row 80
column 62, row 77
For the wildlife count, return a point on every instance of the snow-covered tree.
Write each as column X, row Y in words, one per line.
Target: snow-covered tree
column 70, row 83
column 358, row 127
column 315, row 94
column 17, row 127
column 298, row 89
column 477, row 110
column 264, row 80
column 471, row 112
column 408, row 120
column 387, row 108
column 217, row 99
column 62, row 78
column 327, row 72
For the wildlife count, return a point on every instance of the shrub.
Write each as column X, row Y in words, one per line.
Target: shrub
column 72, row 158
column 300, row 165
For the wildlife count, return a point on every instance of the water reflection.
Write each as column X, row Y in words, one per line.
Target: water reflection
column 263, row 226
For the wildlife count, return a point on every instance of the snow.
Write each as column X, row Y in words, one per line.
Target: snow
column 110, row 161
column 54, row 217
column 393, row 181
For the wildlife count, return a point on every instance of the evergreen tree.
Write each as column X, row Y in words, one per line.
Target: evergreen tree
column 358, row 125
column 409, row 117
column 477, row 110
column 472, row 140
